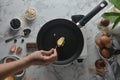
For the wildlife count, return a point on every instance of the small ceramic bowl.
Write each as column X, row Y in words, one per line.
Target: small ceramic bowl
column 30, row 13
column 15, row 24
column 18, row 76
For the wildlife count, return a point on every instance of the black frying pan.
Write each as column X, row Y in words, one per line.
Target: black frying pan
column 74, row 41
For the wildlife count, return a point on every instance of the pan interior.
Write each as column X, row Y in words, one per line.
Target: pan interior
column 53, row 30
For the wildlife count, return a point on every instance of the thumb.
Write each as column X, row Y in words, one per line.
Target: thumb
column 47, row 53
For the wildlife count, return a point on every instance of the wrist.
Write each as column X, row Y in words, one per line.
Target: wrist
column 27, row 61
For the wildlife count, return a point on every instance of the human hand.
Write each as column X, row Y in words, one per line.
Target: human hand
column 43, row 57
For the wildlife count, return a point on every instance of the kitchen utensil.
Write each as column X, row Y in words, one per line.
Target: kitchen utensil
column 76, row 18
column 25, row 33
column 74, row 41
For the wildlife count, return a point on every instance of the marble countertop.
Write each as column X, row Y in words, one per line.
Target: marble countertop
column 48, row 10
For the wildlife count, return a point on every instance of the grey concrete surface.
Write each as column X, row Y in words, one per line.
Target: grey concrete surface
column 48, row 10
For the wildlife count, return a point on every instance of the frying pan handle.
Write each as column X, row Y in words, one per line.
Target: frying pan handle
column 76, row 18
column 89, row 16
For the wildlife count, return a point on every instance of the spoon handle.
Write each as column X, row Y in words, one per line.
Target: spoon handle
column 10, row 39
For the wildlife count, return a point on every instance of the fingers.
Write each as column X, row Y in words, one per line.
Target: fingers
column 55, row 54
column 45, row 57
column 51, row 58
column 47, row 53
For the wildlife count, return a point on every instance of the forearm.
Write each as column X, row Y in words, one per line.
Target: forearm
column 13, row 67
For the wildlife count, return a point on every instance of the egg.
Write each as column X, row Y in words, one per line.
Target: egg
column 9, row 78
column 109, row 45
column 105, row 53
column 104, row 22
column 99, row 43
column 99, row 64
column 106, row 41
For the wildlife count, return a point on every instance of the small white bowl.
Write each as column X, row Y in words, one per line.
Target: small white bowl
column 17, row 76
column 30, row 13
column 15, row 21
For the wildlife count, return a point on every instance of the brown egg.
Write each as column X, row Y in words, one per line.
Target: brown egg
column 99, row 43
column 104, row 22
column 106, row 41
column 99, row 64
column 109, row 45
column 105, row 53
